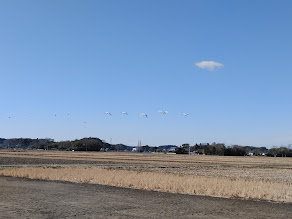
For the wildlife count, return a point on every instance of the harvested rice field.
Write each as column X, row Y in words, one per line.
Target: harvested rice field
column 260, row 178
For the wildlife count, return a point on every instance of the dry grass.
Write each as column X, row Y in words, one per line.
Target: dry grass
column 167, row 182
column 222, row 171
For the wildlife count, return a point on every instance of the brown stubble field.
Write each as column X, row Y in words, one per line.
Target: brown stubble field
column 144, row 158
column 264, row 178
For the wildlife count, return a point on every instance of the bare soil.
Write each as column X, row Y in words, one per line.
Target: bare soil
column 23, row 198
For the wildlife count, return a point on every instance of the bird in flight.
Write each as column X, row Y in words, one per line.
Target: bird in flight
column 125, row 113
column 163, row 112
column 144, row 114
column 186, row 114
column 107, row 113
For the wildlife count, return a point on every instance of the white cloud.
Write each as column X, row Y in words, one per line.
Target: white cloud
column 209, row 65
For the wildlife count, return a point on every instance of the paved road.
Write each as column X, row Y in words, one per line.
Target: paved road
column 23, row 198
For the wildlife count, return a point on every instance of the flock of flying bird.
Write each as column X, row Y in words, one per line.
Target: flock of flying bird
column 145, row 115
column 124, row 113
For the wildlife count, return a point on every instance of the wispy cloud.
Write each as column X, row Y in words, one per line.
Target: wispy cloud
column 209, row 65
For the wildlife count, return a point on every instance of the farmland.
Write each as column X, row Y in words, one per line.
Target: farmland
column 63, row 157
column 262, row 178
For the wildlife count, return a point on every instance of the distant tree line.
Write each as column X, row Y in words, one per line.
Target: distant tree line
column 84, row 144
column 26, row 143
column 280, row 152
column 95, row 144
column 234, row 150
column 159, row 149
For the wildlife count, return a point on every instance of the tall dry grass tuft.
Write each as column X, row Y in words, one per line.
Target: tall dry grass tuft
column 166, row 182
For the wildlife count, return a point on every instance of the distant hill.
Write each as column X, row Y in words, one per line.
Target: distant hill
column 84, row 144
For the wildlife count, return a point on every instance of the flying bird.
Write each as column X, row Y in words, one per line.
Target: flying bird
column 186, row 114
column 163, row 112
column 125, row 113
column 107, row 113
column 144, row 114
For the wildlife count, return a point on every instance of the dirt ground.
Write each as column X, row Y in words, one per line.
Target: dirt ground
column 23, row 198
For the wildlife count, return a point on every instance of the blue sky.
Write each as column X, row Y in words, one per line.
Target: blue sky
column 89, row 57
